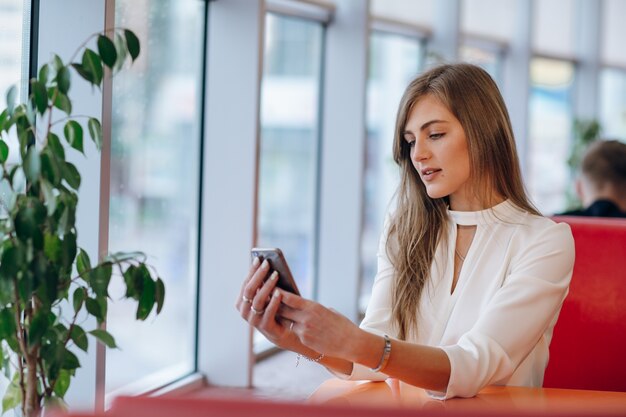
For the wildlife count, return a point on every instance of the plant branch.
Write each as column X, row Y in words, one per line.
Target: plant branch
column 42, row 372
column 74, row 116
column 20, row 339
column 67, row 339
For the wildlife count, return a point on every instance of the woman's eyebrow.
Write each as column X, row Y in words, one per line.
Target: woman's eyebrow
column 430, row 122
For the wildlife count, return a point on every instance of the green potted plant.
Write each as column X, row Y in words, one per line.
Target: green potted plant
column 48, row 285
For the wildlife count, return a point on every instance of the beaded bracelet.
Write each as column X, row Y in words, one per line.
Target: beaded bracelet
column 319, row 358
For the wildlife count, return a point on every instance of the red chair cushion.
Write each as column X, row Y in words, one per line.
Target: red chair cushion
column 588, row 350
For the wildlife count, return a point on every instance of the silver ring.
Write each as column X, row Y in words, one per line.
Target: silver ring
column 291, row 326
column 246, row 299
column 255, row 311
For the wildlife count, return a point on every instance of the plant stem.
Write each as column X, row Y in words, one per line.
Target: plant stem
column 20, row 340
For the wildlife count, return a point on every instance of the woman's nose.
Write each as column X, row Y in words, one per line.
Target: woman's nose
column 420, row 151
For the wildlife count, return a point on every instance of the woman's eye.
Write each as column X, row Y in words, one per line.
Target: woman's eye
column 435, row 135
column 411, row 143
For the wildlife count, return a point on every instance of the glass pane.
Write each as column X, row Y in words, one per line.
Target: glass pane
column 491, row 18
column 154, row 186
column 613, row 32
column 613, row 103
column 553, row 27
column 488, row 60
column 550, row 132
column 13, row 69
column 418, row 12
column 394, row 62
column 288, row 172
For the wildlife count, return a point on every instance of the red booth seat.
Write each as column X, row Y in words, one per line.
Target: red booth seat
column 588, row 350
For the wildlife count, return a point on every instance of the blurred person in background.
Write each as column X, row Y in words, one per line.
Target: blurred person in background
column 601, row 185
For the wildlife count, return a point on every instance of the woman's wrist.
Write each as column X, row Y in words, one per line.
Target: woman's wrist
column 368, row 349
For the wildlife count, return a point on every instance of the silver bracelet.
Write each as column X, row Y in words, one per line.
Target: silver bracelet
column 319, row 358
column 386, row 353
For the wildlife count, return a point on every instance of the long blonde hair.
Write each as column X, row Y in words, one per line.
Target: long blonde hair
column 419, row 222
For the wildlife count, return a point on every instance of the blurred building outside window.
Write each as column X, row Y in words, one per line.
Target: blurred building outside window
column 154, row 195
column 288, row 159
column 550, row 132
column 613, row 103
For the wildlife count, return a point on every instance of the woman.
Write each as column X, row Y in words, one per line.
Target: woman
column 470, row 278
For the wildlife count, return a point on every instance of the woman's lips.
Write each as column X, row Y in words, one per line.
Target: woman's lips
column 430, row 174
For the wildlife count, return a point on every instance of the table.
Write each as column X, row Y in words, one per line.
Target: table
column 498, row 399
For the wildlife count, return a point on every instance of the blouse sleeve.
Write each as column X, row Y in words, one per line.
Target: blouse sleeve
column 517, row 316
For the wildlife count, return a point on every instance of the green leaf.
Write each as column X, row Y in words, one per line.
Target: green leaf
column 71, row 175
column 93, row 308
column 133, row 44
column 159, row 294
column 12, row 397
column 83, row 72
column 63, row 103
column 83, row 263
column 80, row 294
column 120, row 47
column 60, row 388
column 146, row 298
column 79, row 337
column 44, row 72
column 54, row 143
column 70, row 361
column 99, row 279
column 95, row 130
column 93, row 65
column 50, row 169
column 63, row 80
column 69, row 250
column 12, row 262
column 4, row 151
column 4, row 117
column 29, row 218
column 11, row 99
column 40, row 95
column 106, row 48
column 52, row 247
column 48, row 195
column 38, row 327
column 57, row 63
column 32, row 164
column 7, row 323
column 105, row 337
column 74, row 134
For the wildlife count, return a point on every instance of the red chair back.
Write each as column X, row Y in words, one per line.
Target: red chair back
column 588, row 350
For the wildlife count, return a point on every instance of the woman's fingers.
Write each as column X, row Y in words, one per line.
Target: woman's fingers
column 259, row 302
column 294, row 301
column 250, row 288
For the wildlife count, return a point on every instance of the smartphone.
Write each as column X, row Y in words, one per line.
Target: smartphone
column 277, row 263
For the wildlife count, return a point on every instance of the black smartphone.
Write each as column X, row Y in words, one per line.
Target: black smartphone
column 277, row 263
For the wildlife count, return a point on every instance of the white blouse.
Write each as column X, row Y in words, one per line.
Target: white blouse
column 497, row 324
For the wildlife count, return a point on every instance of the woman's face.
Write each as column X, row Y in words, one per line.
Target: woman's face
column 439, row 152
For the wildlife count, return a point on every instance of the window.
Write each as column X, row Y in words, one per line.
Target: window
column 394, row 61
column 288, row 165
column 154, row 195
column 489, row 59
column 14, row 35
column 550, row 132
column 613, row 103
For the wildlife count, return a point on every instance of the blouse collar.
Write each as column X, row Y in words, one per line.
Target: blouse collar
column 502, row 212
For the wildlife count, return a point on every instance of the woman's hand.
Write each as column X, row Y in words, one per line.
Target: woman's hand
column 258, row 307
column 319, row 328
